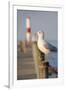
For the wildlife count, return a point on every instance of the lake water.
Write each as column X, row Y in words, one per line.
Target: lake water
column 53, row 56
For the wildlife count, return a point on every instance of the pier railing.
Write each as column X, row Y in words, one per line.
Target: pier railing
column 41, row 66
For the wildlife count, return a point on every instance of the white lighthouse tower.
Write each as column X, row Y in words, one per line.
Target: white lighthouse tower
column 28, row 30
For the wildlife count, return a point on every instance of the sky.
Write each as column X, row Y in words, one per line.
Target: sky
column 46, row 21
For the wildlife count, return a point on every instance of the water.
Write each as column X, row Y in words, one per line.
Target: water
column 53, row 59
column 54, row 43
column 53, row 56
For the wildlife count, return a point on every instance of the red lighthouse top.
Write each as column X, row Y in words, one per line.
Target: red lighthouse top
column 29, row 30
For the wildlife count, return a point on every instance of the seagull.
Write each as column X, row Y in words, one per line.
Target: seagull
column 42, row 46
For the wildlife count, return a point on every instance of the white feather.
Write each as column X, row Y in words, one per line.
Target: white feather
column 41, row 44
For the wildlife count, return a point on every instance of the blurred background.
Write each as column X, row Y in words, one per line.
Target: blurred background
column 46, row 21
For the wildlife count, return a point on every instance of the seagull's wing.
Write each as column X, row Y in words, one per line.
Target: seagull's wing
column 50, row 46
column 46, row 45
column 43, row 49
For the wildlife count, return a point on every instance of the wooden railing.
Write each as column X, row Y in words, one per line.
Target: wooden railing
column 41, row 66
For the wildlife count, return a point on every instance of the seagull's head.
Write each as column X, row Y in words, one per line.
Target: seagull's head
column 40, row 34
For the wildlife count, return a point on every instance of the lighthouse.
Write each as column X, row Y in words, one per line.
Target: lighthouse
column 28, row 30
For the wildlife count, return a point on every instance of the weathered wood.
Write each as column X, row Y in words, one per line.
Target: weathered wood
column 25, row 64
column 41, row 66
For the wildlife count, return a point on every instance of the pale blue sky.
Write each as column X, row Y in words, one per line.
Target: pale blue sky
column 40, row 21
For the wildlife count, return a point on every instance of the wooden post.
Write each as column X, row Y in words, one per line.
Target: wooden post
column 41, row 66
column 46, row 69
